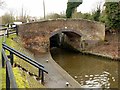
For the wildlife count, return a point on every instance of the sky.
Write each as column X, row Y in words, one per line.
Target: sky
column 35, row 7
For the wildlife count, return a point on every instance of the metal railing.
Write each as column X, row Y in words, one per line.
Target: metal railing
column 10, row 80
column 12, row 51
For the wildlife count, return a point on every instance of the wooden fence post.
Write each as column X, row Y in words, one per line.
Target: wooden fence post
column 16, row 30
column 7, row 32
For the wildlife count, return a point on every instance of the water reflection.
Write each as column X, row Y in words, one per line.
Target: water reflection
column 97, row 81
column 89, row 71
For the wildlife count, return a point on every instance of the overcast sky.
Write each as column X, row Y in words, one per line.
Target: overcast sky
column 35, row 7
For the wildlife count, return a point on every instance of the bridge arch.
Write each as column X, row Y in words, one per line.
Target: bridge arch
column 65, row 31
column 35, row 35
column 66, row 38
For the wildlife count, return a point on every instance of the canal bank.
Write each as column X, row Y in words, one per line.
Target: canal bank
column 108, row 49
column 23, row 79
column 90, row 71
column 101, row 55
column 57, row 77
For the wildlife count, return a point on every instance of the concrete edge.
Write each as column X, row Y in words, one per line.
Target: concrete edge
column 68, row 77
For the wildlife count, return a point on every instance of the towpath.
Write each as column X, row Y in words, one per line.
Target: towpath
column 57, row 77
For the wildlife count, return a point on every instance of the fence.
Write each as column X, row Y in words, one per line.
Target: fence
column 10, row 80
column 9, row 30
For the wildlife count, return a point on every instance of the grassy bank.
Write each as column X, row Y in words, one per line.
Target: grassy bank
column 23, row 80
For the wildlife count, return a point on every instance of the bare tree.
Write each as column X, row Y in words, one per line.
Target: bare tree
column 1, row 3
column 23, row 15
column 7, row 18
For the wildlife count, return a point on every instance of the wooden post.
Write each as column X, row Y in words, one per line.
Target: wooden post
column 16, row 30
column 7, row 32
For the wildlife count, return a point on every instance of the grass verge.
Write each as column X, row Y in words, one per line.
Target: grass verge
column 23, row 80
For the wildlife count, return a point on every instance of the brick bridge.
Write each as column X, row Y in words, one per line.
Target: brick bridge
column 77, row 33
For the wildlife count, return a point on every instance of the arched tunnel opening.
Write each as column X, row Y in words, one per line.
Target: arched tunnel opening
column 54, row 41
column 69, row 41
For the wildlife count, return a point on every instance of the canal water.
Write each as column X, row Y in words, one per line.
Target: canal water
column 89, row 71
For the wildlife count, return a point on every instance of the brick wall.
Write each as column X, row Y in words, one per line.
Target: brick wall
column 35, row 35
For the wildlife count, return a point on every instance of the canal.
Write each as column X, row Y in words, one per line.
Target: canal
column 89, row 71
